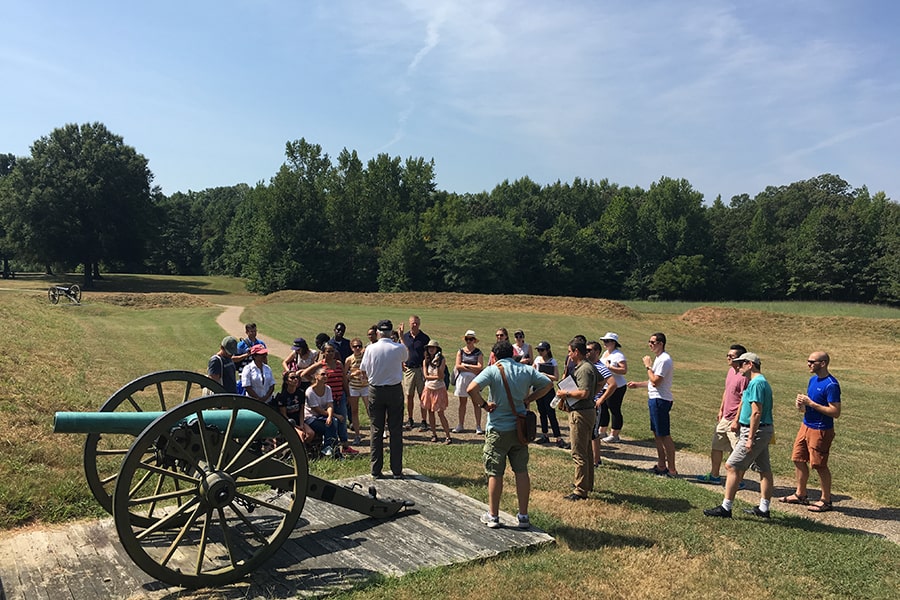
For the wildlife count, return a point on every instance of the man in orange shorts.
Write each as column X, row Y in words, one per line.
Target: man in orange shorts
column 821, row 405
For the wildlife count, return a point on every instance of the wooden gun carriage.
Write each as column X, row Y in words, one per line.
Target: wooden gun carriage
column 203, row 486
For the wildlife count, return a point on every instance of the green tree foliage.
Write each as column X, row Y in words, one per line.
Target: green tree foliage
column 83, row 196
column 343, row 224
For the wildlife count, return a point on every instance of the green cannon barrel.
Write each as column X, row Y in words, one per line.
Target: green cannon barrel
column 134, row 423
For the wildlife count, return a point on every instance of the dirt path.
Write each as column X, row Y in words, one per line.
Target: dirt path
column 230, row 321
column 849, row 512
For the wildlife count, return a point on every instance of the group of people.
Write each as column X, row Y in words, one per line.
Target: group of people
column 322, row 388
column 745, row 428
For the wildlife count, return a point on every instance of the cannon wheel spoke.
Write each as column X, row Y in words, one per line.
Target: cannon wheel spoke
column 223, row 520
column 53, row 295
column 75, row 293
column 153, row 392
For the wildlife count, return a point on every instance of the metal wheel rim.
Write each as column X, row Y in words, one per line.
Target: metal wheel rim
column 76, row 293
column 102, row 479
column 208, row 546
column 53, row 295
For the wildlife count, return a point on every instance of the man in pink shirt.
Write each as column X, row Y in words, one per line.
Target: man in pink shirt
column 724, row 439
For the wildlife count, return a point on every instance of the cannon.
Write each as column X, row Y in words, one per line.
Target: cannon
column 204, row 489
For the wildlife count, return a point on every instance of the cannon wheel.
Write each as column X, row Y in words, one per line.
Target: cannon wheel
column 158, row 391
column 53, row 294
column 75, row 293
column 212, row 515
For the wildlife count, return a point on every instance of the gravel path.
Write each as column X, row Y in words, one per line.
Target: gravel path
column 849, row 512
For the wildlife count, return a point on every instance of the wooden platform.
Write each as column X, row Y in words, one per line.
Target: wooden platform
column 332, row 549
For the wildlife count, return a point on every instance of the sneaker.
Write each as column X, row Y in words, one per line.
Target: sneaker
column 408, row 425
column 523, row 521
column 657, row 471
column 327, row 451
column 561, row 443
column 357, row 441
column 573, row 497
column 542, row 439
column 479, row 431
column 350, row 450
column 709, row 478
column 611, row 439
column 457, row 429
column 597, row 463
column 424, row 426
column 717, row 512
column 756, row 511
column 490, row 521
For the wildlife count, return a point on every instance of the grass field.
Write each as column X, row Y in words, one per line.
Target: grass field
column 641, row 537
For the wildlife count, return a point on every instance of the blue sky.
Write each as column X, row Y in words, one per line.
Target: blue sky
column 731, row 95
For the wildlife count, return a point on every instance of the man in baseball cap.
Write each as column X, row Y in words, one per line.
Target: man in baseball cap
column 755, row 426
column 221, row 368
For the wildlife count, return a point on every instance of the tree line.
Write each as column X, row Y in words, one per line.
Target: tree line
column 322, row 223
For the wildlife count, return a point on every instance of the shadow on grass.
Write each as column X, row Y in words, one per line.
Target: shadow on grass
column 655, row 503
column 801, row 523
column 581, row 539
column 170, row 285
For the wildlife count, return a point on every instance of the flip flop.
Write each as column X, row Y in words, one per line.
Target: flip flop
column 820, row 507
column 794, row 499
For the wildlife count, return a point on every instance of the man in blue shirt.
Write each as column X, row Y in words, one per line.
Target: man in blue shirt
column 501, row 440
column 821, row 405
column 755, row 426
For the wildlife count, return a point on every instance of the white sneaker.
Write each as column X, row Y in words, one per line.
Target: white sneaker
column 524, row 523
column 610, row 439
column 490, row 521
column 327, row 451
column 479, row 431
column 385, row 436
column 457, row 429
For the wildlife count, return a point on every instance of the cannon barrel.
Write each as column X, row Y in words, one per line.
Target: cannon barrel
column 133, row 423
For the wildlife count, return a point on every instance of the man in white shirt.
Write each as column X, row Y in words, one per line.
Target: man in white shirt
column 659, row 401
column 382, row 364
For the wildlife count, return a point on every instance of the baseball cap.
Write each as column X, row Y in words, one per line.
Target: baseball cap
column 748, row 357
column 385, row 325
column 230, row 343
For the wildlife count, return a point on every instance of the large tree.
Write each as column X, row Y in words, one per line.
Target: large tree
column 83, row 196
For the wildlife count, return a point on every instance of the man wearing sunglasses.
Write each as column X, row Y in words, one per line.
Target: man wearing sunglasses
column 821, row 405
column 659, row 402
column 755, row 427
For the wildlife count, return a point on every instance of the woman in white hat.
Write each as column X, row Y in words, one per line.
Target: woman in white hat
column 614, row 360
column 469, row 363
column 434, row 396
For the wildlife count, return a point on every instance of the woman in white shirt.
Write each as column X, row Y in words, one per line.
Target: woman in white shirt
column 613, row 358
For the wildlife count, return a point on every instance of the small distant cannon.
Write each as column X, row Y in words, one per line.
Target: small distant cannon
column 73, row 293
column 204, row 491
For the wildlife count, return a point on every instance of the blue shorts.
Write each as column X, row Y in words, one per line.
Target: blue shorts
column 659, row 416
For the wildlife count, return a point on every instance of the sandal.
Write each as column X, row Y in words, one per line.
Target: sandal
column 820, row 507
column 794, row 499
column 434, row 438
column 448, row 441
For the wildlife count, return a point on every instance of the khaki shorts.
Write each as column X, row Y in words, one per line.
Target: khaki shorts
column 812, row 446
column 742, row 459
column 500, row 445
column 413, row 379
column 724, row 439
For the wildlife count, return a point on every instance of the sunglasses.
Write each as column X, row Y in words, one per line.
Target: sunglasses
column 293, row 377
column 470, row 339
column 519, row 335
column 500, row 335
column 356, row 346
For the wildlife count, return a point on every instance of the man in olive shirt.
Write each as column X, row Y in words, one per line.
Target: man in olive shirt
column 579, row 404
